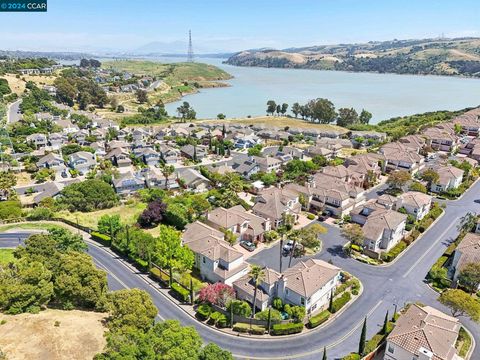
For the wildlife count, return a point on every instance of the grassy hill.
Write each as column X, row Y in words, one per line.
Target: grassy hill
column 460, row 56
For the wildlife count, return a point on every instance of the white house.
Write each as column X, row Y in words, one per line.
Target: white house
column 468, row 251
column 450, row 177
column 415, row 203
column 423, row 333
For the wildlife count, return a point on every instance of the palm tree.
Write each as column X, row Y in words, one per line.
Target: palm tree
column 167, row 170
column 257, row 274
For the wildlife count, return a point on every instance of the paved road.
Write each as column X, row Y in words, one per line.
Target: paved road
column 13, row 114
column 400, row 283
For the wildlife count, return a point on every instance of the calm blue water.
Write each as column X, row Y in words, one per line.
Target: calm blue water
column 384, row 95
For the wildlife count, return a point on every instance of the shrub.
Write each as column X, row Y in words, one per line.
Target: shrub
column 203, row 312
column 40, row 213
column 352, row 356
column 373, row 343
column 274, row 315
column 240, row 308
column 298, row 313
column 425, row 224
column 356, row 248
column 436, row 212
column 180, row 292
column 10, row 209
column 286, row 329
column 222, row 321
column 241, row 327
column 288, row 310
column 354, row 292
column 310, row 216
column 214, row 317
column 257, row 330
column 394, row 252
column 277, row 303
column 319, row 319
column 341, row 301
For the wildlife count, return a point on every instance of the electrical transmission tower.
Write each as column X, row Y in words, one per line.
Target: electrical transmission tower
column 190, row 47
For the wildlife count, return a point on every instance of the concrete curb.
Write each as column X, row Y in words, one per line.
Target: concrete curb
column 472, row 346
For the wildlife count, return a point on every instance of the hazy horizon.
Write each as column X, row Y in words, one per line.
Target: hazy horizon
column 217, row 26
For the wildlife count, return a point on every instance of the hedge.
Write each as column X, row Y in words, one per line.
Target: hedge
column 424, row 224
column 203, row 312
column 341, row 301
column 241, row 327
column 394, row 252
column 257, row 330
column 356, row 247
column 373, row 343
column 318, row 319
column 435, row 212
column 182, row 293
column 102, row 238
column 352, row 356
column 286, row 329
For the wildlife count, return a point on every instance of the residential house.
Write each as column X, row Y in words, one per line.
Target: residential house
column 423, row 333
column 245, row 166
column 119, row 157
column 82, row 161
column 450, row 177
column 273, row 203
column 32, row 195
column 147, row 155
column 316, row 150
column 169, row 155
column 54, row 162
column 470, row 122
column 266, row 291
column 468, row 251
column 415, row 203
column 400, row 157
column 56, row 140
column 128, row 183
column 193, row 152
column 37, row 139
column 244, row 225
column 267, row 164
column 154, row 178
column 192, row 179
column 215, row 259
column 441, row 138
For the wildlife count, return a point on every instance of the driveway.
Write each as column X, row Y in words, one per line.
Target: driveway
column 13, row 114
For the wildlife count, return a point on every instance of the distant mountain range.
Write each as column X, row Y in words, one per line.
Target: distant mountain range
column 459, row 56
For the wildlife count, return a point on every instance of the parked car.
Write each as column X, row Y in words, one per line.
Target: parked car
column 288, row 246
column 248, row 245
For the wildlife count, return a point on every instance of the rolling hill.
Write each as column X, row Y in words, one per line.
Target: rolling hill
column 459, row 56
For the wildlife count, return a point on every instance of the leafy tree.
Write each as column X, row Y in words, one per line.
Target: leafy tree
column 10, row 209
column 130, row 308
column 221, row 116
column 44, row 174
column 4, row 87
column 66, row 240
column 169, row 252
column 256, row 150
column 88, row 195
column 214, row 352
column 416, row 186
column 354, row 233
column 284, row 108
column 467, row 222
column 241, row 308
column 398, row 179
column 271, row 107
column 185, row 111
column 346, row 117
column 230, row 237
column 109, row 224
column 321, row 110
column 25, row 287
column 365, row 117
column 142, row 96
column 469, row 277
column 219, row 294
column 78, row 282
column 296, row 109
column 298, row 313
column 167, row 170
column 460, row 303
column 430, row 176
column 153, row 214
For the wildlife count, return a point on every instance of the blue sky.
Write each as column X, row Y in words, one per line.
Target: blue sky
column 110, row 25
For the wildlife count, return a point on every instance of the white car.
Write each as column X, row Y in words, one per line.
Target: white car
column 288, row 246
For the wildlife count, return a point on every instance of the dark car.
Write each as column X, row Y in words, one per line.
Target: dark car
column 248, row 245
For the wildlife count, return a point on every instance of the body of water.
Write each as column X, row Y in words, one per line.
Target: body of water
column 384, row 95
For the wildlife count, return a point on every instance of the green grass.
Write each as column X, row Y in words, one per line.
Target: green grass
column 27, row 226
column 6, row 256
column 128, row 215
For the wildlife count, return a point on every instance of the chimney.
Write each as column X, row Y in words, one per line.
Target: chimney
column 424, row 354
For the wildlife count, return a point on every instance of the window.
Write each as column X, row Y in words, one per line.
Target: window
column 203, row 259
column 390, row 349
column 302, row 300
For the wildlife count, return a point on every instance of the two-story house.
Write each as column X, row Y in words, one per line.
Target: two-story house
column 82, row 161
column 273, row 203
column 38, row 140
column 243, row 224
column 54, row 162
column 215, row 259
column 128, row 183
column 415, row 203
column 450, row 177
column 468, row 251
column 423, row 333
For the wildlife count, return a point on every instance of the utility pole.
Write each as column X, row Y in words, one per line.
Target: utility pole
column 190, row 47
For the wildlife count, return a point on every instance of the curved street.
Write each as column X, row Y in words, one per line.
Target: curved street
column 400, row 283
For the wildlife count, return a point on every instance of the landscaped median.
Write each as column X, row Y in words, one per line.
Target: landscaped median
column 280, row 319
column 416, row 229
